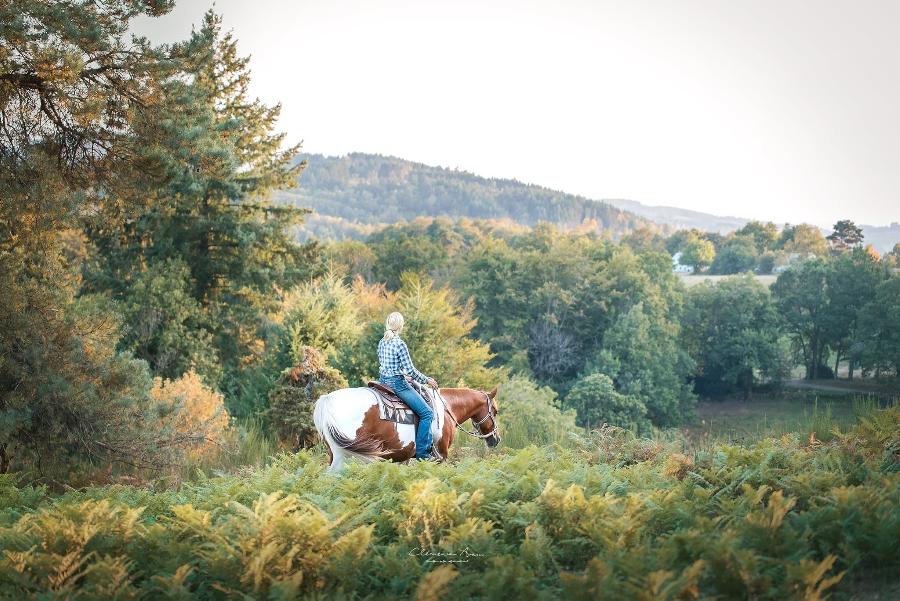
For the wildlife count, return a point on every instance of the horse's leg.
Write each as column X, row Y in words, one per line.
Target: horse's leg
column 337, row 460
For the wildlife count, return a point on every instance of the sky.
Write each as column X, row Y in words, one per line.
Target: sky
column 781, row 110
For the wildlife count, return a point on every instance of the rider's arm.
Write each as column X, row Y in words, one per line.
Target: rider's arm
column 407, row 365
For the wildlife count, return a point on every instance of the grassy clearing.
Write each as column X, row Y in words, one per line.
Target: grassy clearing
column 737, row 421
column 690, row 279
column 604, row 516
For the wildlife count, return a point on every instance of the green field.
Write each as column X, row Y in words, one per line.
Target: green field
column 737, row 421
column 690, row 279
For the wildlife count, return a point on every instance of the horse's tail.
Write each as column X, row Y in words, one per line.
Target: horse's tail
column 363, row 445
column 366, row 446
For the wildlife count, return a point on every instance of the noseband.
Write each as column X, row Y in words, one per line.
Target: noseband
column 487, row 400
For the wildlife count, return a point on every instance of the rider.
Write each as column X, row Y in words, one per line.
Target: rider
column 393, row 355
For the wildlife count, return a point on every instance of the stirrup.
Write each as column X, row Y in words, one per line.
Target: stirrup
column 432, row 455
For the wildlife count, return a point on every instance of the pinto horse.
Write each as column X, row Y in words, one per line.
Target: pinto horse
column 348, row 421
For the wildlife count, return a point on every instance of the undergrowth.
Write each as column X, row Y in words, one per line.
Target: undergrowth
column 606, row 516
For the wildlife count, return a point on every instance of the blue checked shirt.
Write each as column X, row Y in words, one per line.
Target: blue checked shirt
column 395, row 360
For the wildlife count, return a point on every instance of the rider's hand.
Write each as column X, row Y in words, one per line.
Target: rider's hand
column 431, row 382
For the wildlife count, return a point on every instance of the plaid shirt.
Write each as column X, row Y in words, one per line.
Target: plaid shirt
column 395, row 360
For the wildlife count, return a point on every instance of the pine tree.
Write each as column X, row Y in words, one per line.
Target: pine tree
column 222, row 159
column 846, row 235
column 73, row 92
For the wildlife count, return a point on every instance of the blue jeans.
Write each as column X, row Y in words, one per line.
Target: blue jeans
column 418, row 405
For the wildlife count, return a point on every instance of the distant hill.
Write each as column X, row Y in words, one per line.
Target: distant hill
column 883, row 238
column 352, row 193
column 355, row 194
column 680, row 218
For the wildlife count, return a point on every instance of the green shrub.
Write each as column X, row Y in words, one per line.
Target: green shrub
column 530, row 414
column 597, row 402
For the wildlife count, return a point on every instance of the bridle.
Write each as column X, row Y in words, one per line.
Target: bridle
column 490, row 414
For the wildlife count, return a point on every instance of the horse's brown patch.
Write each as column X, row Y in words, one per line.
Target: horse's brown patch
column 386, row 431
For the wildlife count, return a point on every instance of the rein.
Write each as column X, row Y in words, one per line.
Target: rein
column 487, row 400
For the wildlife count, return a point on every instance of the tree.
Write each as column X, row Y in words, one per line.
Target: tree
column 596, row 402
column 731, row 330
column 73, row 89
column 166, row 326
column 73, row 96
column 195, row 413
column 846, row 235
column 850, row 284
column 764, row 235
column 698, row 252
column 879, row 329
column 803, row 239
column 552, row 352
column 737, row 256
column 640, row 353
column 802, row 301
column 322, row 313
column 291, row 401
column 496, row 277
column 212, row 214
column 397, row 252
column 539, row 294
column 66, row 397
column 644, row 239
column 891, row 260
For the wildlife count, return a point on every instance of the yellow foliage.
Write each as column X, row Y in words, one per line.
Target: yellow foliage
column 434, row 584
column 773, row 515
column 678, row 465
column 812, row 577
column 196, row 413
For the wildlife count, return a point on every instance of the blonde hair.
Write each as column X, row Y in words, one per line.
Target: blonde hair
column 393, row 323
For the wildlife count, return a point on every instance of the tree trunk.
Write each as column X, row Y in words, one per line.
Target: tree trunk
column 813, row 367
column 4, row 459
column 837, row 361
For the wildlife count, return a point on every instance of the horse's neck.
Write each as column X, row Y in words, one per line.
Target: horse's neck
column 461, row 406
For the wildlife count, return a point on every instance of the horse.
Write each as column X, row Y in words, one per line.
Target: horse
column 349, row 423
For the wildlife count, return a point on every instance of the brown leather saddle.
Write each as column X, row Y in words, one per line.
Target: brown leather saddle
column 392, row 408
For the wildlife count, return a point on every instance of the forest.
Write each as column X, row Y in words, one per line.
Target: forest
column 352, row 195
column 164, row 335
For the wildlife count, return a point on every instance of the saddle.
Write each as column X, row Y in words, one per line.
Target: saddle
column 392, row 408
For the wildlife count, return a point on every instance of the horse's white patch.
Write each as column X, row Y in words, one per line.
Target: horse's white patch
column 407, row 433
column 348, row 407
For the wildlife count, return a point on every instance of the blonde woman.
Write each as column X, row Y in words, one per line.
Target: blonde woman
column 395, row 363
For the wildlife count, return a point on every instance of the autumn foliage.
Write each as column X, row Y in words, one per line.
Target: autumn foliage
column 195, row 413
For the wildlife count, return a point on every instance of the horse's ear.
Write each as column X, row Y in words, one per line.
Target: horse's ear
column 493, row 393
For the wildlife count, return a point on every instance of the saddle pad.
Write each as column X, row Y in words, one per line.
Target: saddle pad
column 391, row 408
column 397, row 413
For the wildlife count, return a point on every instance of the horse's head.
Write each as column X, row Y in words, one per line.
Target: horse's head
column 485, row 419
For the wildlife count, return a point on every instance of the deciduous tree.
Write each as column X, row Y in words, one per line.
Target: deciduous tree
column 731, row 329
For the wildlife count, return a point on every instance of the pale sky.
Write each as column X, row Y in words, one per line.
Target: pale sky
column 782, row 110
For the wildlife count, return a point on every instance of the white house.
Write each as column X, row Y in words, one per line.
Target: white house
column 677, row 267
